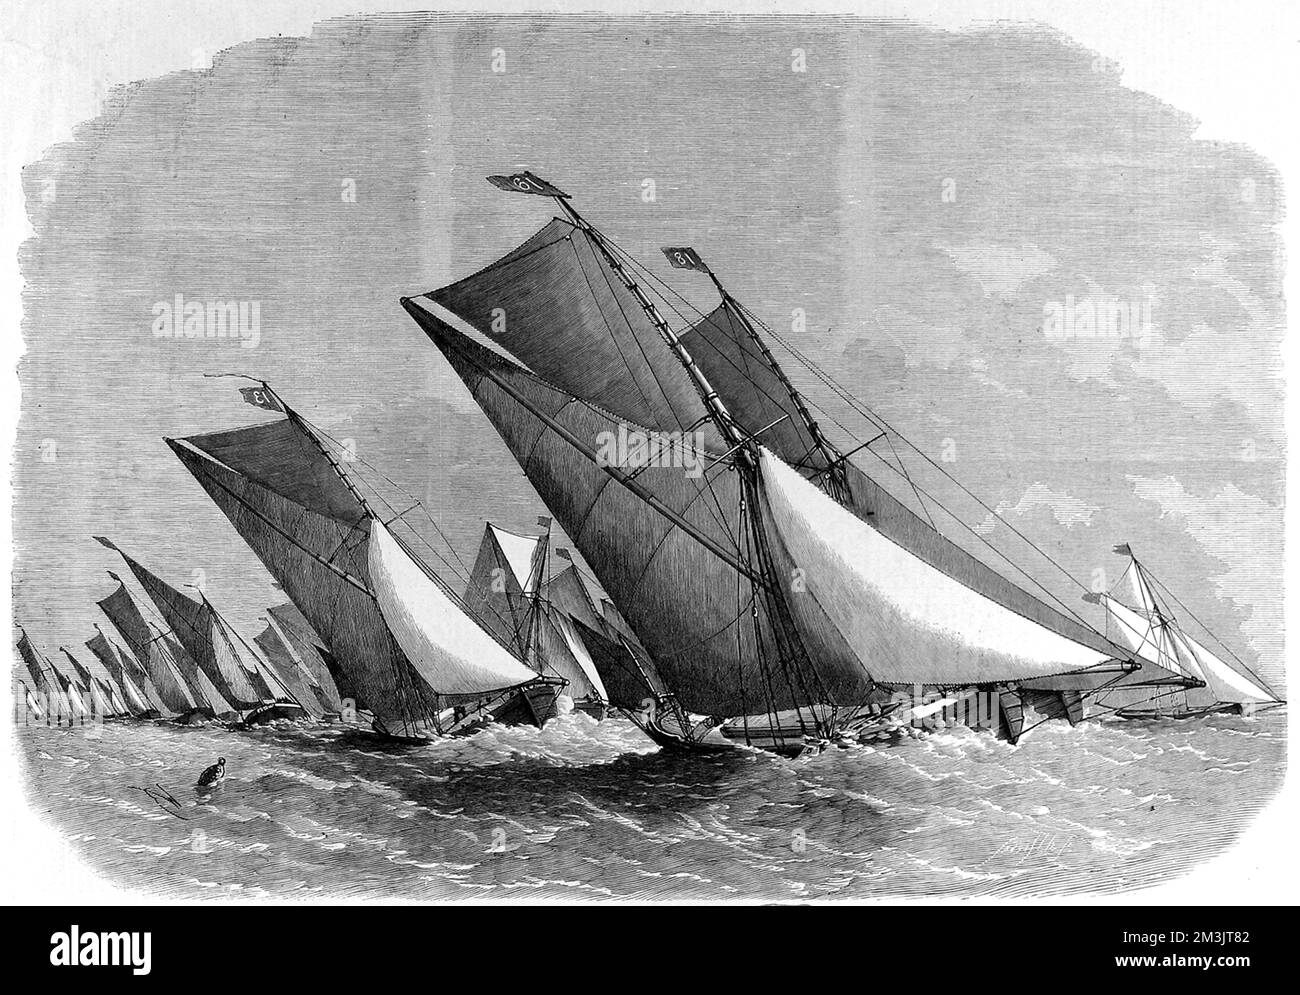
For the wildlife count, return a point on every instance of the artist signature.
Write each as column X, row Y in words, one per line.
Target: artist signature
column 1039, row 845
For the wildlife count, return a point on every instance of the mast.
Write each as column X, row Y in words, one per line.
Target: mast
column 790, row 648
column 835, row 480
column 721, row 417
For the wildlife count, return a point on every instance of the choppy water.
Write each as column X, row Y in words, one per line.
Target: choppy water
column 586, row 810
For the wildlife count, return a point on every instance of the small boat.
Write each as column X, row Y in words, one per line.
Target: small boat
column 1156, row 633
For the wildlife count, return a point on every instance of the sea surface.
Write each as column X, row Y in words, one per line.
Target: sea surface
column 593, row 811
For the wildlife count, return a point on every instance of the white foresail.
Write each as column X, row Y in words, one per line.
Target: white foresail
column 1148, row 640
column 522, row 553
column 1226, row 683
column 907, row 621
column 449, row 650
column 579, row 651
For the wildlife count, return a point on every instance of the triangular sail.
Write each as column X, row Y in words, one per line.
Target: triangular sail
column 757, row 393
column 446, row 647
column 501, row 583
column 322, row 563
column 663, row 543
column 295, row 677
column 628, row 678
column 173, row 690
column 563, row 654
column 1225, row 682
column 308, row 650
column 907, row 621
column 554, row 305
column 135, row 699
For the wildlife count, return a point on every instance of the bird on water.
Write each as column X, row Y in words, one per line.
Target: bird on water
column 213, row 775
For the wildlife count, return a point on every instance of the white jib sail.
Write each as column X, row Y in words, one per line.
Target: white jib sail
column 907, row 621
column 448, row 648
column 579, row 650
column 1148, row 640
column 1227, row 683
column 523, row 554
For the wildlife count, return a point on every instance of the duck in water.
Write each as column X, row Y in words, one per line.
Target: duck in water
column 214, row 775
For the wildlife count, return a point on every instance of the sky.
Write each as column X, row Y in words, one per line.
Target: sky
column 926, row 199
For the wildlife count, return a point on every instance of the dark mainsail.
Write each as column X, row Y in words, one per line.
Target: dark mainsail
column 298, row 680
column 236, row 675
column 406, row 646
column 320, row 560
column 310, row 651
column 663, row 544
column 153, row 652
column 666, row 545
column 138, row 691
column 43, row 678
column 553, row 304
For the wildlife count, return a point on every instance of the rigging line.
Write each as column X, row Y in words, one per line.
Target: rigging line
column 866, row 410
column 901, row 468
column 765, row 684
column 795, row 652
column 744, row 372
column 654, row 373
column 378, row 496
column 926, row 511
column 1170, row 594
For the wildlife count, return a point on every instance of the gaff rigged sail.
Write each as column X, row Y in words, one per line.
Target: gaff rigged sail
column 665, row 543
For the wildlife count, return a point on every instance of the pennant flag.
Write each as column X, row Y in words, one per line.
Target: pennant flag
column 115, row 576
column 544, row 522
column 260, row 397
column 1123, row 549
column 105, row 542
column 564, row 555
column 684, row 258
column 526, row 182
column 1092, row 597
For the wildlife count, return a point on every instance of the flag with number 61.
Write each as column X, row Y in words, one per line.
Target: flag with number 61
column 685, row 258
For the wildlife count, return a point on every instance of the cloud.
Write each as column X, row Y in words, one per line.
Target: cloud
column 1001, row 269
column 1241, row 531
column 1065, row 508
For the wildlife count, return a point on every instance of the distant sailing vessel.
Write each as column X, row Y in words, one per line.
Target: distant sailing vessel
column 508, row 592
column 232, row 675
column 1154, row 633
column 399, row 634
column 764, row 574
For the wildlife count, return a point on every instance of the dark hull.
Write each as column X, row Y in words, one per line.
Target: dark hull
column 530, row 706
column 594, row 707
column 1219, row 708
column 272, row 711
